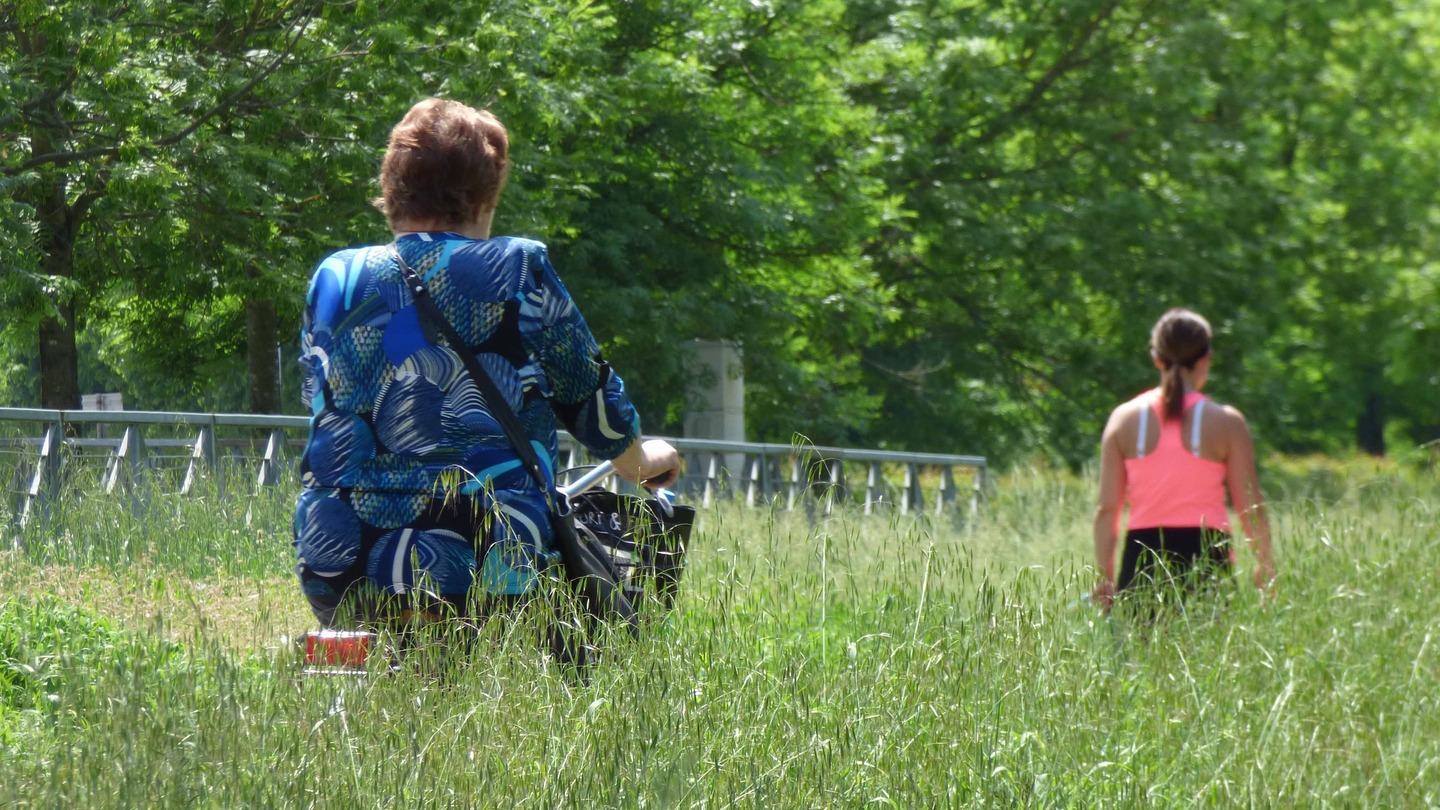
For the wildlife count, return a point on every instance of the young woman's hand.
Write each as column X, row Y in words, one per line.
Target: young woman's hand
column 1104, row 594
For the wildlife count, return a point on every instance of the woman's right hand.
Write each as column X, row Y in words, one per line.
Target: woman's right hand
column 653, row 463
column 1104, row 594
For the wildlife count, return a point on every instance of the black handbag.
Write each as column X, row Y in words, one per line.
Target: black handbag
column 586, row 565
column 644, row 539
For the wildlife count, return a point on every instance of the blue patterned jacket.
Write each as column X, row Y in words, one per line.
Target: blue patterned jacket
column 406, row 474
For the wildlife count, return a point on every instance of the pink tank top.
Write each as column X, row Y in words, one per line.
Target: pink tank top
column 1171, row 487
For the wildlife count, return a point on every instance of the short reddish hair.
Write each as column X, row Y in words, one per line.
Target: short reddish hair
column 445, row 163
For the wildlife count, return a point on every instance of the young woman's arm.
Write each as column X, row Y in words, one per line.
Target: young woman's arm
column 1109, row 504
column 1246, row 497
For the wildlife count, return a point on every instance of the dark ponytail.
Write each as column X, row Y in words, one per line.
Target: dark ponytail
column 1180, row 339
column 1172, row 388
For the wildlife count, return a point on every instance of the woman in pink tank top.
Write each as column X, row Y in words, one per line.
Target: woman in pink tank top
column 1171, row 455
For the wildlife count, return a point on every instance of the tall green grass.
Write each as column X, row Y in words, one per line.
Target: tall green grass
column 881, row 660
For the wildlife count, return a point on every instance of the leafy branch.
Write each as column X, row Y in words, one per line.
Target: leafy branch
column 226, row 103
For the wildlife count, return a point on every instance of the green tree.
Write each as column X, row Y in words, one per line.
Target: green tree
column 101, row 97
column 1072, row 169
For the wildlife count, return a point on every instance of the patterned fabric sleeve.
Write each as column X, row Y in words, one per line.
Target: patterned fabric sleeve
column 312, row 372
column 586, row 394
column 308, row 384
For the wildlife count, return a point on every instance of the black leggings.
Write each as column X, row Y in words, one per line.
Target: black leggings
column 1183, row 556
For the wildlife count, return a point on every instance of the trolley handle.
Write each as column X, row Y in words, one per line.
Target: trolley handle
column 588, row 480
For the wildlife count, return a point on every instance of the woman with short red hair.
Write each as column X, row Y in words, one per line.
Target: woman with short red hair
column 395, row 411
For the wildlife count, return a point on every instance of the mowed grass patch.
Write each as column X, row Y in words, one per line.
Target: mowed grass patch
column 242, row 613
column 845, row 662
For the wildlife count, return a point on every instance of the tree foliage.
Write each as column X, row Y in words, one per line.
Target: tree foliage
column 941, row 225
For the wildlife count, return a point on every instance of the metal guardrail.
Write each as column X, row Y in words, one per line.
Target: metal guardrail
column 759, row 473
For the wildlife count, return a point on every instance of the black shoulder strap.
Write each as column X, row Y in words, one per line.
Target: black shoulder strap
column 583, row 564
column 494, row 400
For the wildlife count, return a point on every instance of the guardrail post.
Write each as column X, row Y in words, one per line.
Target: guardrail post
column 270, row 465
column 837, row 480
column 712, row 473
column 978, row 493
column 127, row 467
column 111, row 460
column 202, row 452
column 752, row 478
column 115, row 463
column 139, row 472
column 794, row 483
column 767, row 488
column 45, row 478
column 911, row 497
column 874, row 480
column 946, row 495
column 212, row 455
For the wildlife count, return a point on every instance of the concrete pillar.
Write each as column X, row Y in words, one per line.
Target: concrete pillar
column 717, row 398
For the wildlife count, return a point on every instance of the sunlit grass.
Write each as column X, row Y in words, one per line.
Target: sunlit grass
column 888, row 660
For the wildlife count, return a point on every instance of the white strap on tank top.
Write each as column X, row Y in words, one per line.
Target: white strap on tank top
column 1196, row 417
column 1195, row 427
column 1144, row 429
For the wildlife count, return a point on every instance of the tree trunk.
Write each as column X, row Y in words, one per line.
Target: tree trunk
column 59, row 359
column 59, row 224
column 1370, row 426
column 260, row 332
